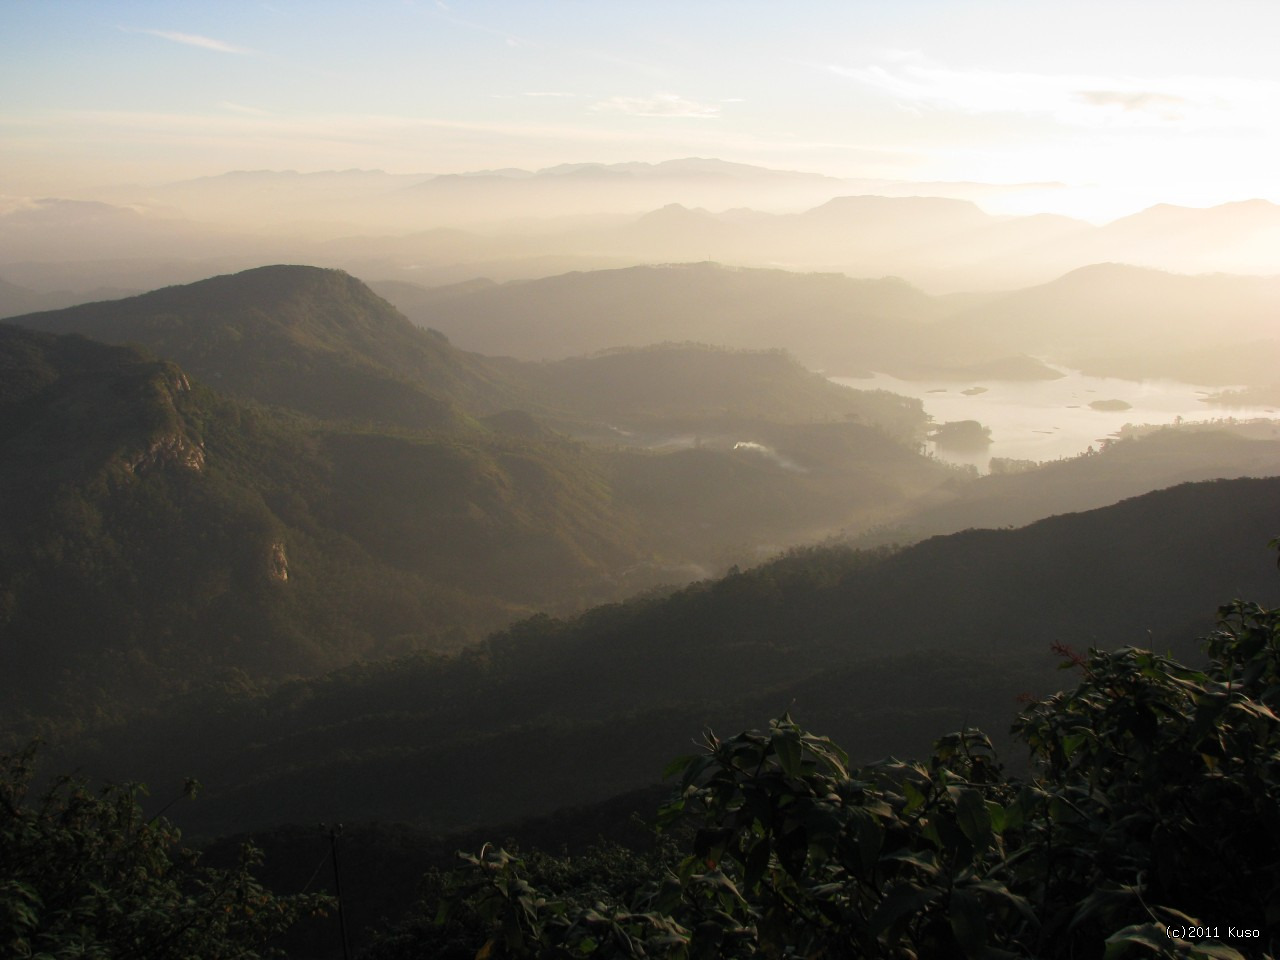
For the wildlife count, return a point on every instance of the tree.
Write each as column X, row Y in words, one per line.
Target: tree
column 1150, row 824
column 86, row 874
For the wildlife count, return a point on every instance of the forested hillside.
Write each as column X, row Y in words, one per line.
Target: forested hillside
column 770, row 839
column 314, row 340
column 200, row 535
column 383, row 502
column 1146, row 773
column 882, row 649
column 1016, row 493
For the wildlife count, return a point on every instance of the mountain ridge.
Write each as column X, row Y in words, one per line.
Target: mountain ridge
column 291, row 336
column 840, row 638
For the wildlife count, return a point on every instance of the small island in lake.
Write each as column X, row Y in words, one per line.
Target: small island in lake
column 1110, row 405
column 961, row 435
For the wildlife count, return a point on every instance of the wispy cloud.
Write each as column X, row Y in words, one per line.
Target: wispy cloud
column 1140, row 101
column 193, row 40
column 1076, row 99
column 242, row 108
column 546, row 93
column 659, row 105
column 509, row 39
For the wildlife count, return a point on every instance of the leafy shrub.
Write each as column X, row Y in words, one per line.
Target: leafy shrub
column 87, row 875
column 1153, row 809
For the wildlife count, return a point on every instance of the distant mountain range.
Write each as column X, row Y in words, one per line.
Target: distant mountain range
column 828, row 320
column 1108, row 318
column 514, row 224
column 406, row 201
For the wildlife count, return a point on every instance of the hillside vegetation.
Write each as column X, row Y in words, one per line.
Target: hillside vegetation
column 1143, row 778
column 881, row 649
column 200, row 535
column 384, row 501
column 314, row 340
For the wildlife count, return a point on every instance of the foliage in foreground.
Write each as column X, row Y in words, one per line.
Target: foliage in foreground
column 1150, row 825
column 85, row 874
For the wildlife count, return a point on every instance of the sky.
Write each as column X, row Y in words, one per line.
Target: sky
column 1125, row 103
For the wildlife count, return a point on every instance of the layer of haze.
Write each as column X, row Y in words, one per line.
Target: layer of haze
column 971, row 150
column 1108, row 107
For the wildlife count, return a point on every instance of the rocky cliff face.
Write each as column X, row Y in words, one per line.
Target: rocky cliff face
column 278, row 563
column 172, row 444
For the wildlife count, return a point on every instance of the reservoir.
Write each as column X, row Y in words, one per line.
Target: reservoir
column 1051, row 419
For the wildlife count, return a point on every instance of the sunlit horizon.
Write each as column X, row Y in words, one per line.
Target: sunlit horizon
column 1123, row 108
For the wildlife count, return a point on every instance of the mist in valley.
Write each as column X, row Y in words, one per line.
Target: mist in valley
column 430, row 417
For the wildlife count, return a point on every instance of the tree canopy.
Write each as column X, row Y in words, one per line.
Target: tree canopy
column 86, row 874
column 1148, row 825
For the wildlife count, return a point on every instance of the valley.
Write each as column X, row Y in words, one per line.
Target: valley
column 485, row 480
column 304, row 482
column 439, row 560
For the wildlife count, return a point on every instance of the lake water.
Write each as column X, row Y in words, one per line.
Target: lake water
column 1050, row 419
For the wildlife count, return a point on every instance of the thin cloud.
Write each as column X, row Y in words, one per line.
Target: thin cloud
column 194, row 40
column 244, row 109
column 1139, row 101
column 546, row 93
column 918, row 84
column 511, row 40
column 660, row 105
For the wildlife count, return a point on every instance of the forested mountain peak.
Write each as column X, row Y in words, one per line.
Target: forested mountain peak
column 312, row 339
column 198, row 534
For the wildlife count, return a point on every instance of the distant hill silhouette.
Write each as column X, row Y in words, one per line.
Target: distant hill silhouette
column 519, row 224
column 828, row 321
column 1110, row 319
column 1115, row 319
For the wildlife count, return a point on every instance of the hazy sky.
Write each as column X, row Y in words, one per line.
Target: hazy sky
column 1135, row 101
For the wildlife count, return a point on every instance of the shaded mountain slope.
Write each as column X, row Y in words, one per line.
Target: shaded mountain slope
column 882, row 650
column 791, row 480
column 201, row 534
column 198, row 535
column 1092, row 316
column 675, row 387
column 1122, row 468
column 314, row 340
column 827, row 320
